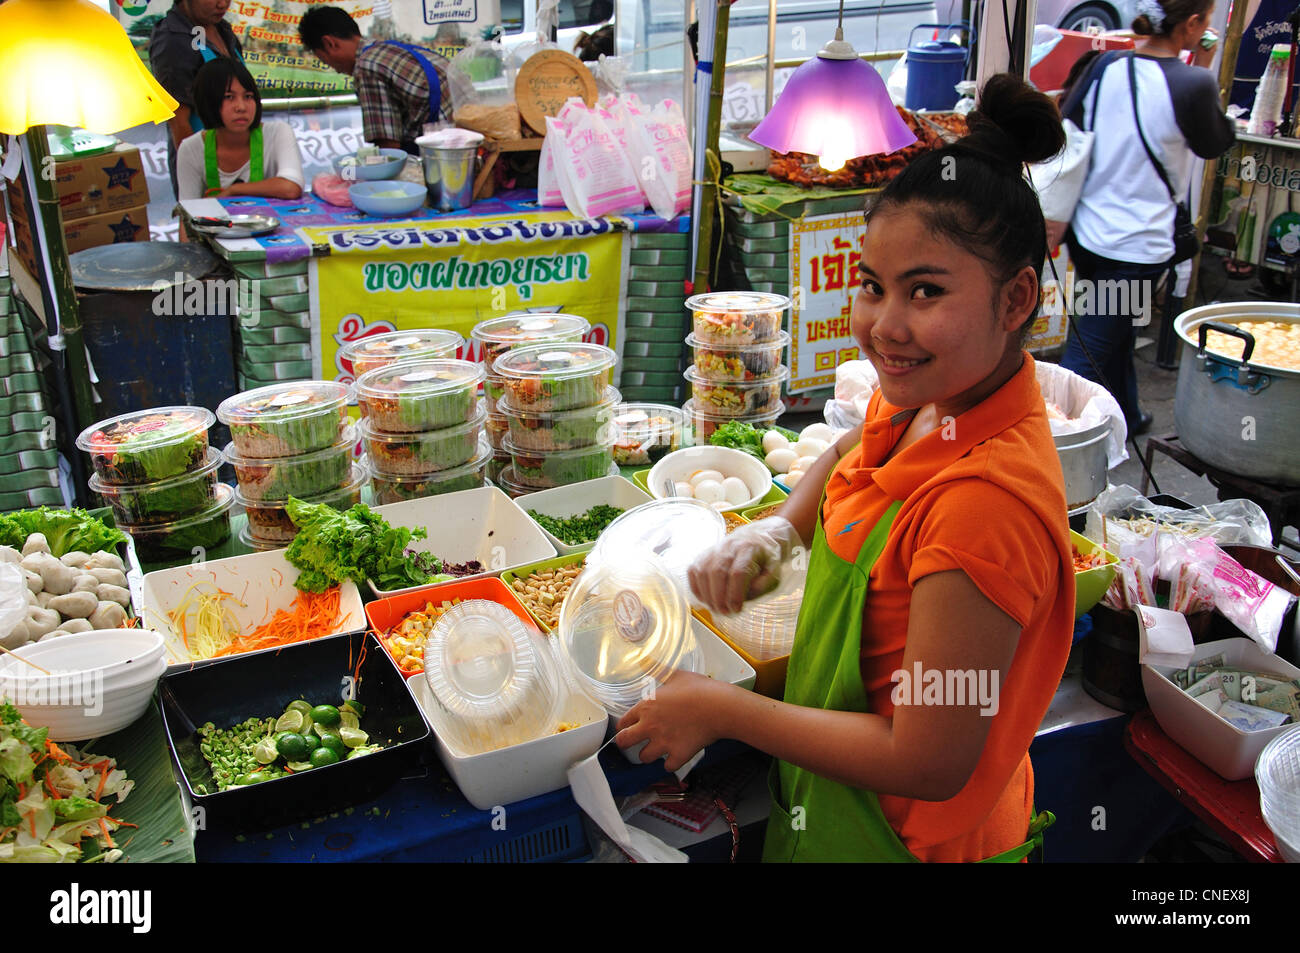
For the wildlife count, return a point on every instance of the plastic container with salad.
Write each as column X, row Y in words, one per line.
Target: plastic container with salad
column 162, row 500
column 396, row 488
column 146, row 446
column 737, row 317
column 417, row 396
column 496, row 428
column 380, row 350
column 496, row 336
column 546, row 377
column 737, row 398
column 308, row 474
column 540, row 469
column 703, row 421
column 286, row 420
column 737, row 362
column 561, row 429
column 269, row 522
column 645, row 433
column 187, row 537
column 419, row 454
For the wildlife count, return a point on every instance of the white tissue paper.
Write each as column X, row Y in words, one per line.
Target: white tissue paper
column 450, row 138
column 1164, row 638
column 591, row 791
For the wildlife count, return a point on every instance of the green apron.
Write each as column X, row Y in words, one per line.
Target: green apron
column 815, row 819
column 213, row 174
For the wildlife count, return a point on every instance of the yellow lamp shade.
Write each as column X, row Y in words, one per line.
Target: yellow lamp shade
column 69, row 62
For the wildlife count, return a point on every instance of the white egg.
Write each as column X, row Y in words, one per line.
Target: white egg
column 774, row 440
column 820, row 432
column 710, row 491
column 807, row 447
column 735, row 491
column 699, row 476
column 779, row 460
column 684, row 489
column 792, row 478
column 803, row 463
column 721, row 505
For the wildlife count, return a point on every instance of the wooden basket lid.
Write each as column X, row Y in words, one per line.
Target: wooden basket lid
column 546, row 80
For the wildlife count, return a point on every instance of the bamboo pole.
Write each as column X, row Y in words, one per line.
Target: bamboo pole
column 1227, row 68
column 709, row 198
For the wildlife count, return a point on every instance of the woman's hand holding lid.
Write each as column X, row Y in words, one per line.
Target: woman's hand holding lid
column 747, row 564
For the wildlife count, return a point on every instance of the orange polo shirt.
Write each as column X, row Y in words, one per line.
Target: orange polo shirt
column 983, row 495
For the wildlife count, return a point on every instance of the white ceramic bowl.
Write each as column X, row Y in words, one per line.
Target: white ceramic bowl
column 680, row 464
column 100, row 681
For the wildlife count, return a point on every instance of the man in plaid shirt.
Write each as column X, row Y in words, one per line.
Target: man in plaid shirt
column 392, row 80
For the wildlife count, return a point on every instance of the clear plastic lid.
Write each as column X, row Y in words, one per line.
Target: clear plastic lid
column 515, row 329
column 146, row 430
column 777, row 343
column 300, row 461
column 420, row 379
column 554, row 361
column 359, row 477
column 279, row 403
column 757, row 383
column 492, row 676
column 625, row 626
column 367, row 431
column 378, row 350
column 721, row 302
column 482, row 453
column 643, row 422
column 550, row 418
column 224, row 500
column 212, row 461
column 676, row 531
column 691, row 410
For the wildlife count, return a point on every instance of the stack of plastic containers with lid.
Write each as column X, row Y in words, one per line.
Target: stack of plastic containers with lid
column 422, row 426
column 737, row 371
column 380, row 350
column 559, row 407
column 495, row 337
column 159, row 476
column 1277, row 773
column 290, row 439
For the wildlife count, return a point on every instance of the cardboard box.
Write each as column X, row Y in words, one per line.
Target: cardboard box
column 101, row 184
column 125, row 225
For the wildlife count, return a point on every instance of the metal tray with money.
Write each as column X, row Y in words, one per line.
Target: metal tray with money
column 236, row 226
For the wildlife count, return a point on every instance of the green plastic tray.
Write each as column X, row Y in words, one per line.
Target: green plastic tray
column 523, row 572
column 774, row 495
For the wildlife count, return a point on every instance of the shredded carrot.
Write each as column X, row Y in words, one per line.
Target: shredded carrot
column 108, row 837
column 312, row 615
column 103, row 778
column 57, row 753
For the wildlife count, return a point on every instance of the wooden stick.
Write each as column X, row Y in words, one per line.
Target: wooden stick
column 24, row 661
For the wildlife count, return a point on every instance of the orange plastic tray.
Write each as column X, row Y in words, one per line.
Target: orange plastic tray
column 770, row 675
column 383, row 614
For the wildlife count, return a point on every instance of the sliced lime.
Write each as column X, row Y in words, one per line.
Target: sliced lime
column 353, row 737
column 292, row 720
column 349, row 719
column 299, row 705
column 265, row 751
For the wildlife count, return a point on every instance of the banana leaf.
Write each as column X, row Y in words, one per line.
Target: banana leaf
column 156, row 803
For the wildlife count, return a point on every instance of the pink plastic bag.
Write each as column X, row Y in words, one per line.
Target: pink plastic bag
column 661, row 153
column 1250, row 602
column 332, row 188
column 548, row 182
column 592, row 170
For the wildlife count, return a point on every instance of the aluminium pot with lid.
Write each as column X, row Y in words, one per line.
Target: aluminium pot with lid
column 1238, row 414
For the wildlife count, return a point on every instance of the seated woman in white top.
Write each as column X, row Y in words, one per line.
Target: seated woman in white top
column 235, row 154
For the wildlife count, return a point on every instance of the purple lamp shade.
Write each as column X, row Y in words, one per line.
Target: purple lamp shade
column 836, row 109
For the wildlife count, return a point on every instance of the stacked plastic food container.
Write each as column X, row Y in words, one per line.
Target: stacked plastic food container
column 380, row 350
column 159, row 476
column 494, row 337
column 559, row 408
column 290, row 439
column 422, row 426
column 737, row 371
column 646, row 433
column 1277, row 772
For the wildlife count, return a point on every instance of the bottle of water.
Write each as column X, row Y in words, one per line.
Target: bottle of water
column 1266, row 113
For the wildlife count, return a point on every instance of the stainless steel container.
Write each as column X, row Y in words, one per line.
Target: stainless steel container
column 1238, row 415
column 449, row 176
column 1083, row 462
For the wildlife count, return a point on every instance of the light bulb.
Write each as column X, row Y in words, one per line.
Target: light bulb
column 832, row 162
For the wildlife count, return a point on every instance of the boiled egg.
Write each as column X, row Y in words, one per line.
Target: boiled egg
column 710, row 491
column 699, row 476
column 681, row 488
column 735, row 491
column 721, row 506
column 779, row 460
column 820, row 432
column 792, row 478
column 774, row 440
column 803, row 463
column 809, row 447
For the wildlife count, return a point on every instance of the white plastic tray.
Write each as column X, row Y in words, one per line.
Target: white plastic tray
column 482, row 523
column 497, row 778
column 1224, row 748
column 576, row 498
column 262, row 581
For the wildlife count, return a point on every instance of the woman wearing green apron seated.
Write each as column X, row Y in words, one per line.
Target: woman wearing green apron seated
column 938, row 609
column 236, row 154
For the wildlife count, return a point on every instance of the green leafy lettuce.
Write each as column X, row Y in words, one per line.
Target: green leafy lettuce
column 746, row 438
column 66, row 531
column 355, row 544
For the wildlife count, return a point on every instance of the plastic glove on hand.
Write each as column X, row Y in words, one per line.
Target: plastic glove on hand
column 745, row 565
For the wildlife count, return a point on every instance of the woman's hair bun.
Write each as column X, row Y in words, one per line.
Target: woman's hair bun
column 1015, row 121
column 1143, row 26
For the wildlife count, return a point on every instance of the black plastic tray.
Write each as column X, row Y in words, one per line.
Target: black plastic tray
column 231, row 691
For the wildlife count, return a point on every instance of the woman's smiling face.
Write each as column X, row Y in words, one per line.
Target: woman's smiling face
column 931, row 319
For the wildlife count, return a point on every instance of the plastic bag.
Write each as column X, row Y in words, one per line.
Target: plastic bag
column 1083, row 404
column 855, row 382
column 13, row 606
column 333, row 189
column 593, row 172
column 1208, row 578
column 549, row 194
column 1232, row 522
column 480, row 102
column 620, row 123
column 897, row 82
column 660, row 153
column 1133, row 585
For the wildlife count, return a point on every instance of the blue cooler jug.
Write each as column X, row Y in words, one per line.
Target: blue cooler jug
column 934, row 68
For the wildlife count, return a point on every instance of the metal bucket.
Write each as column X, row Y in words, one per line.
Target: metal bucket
column 449, row 176
column 1083, row 463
